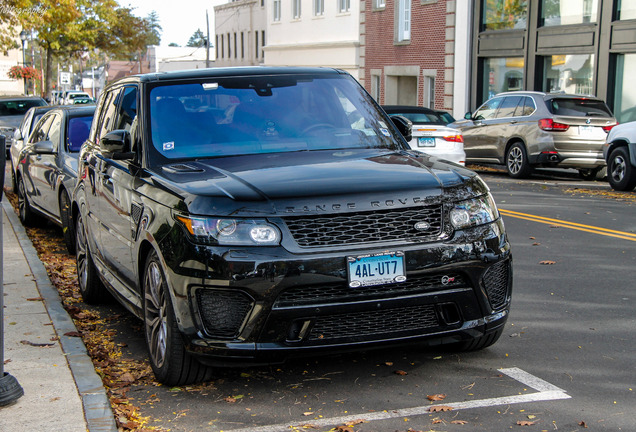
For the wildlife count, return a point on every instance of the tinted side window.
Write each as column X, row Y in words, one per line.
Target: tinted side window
column 508, row 106
column 127, row 109
column 53, row 134
column 107, row 119
column 40, row 132
column 526, row 107
column 579, row 108
column 488, row 109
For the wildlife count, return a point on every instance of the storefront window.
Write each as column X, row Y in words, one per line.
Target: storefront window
column 572, row 74
column 505, row 14
column 625, row 93
column 563, row 12
column 502, row 74
column 626, row 9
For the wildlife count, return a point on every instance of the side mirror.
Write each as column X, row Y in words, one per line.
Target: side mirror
column 404, row 125
column 44, row 147
column 116, row 144
column 468, row 115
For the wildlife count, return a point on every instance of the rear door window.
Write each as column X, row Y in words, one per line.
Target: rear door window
column 579, row 108
column 526, row 107
column 508, row 107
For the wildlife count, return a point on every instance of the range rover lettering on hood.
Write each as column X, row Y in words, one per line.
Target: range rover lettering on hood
column 351, row 206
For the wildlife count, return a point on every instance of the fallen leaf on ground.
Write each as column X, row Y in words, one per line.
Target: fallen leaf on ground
column 73, row 334
column 459, row 422
column 525, row 423
column 344, row 429
column 35, row 299
column 230, row 399
column 35, row 344
column 436, row 397
column 400, row 372
column 583, row 424
column 547, row 262
column 438, row 408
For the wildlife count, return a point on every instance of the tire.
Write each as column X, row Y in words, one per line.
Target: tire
column 170, row 362
column 517, row 163
column 620, row 173
column 590, row 174
column 91, row 287
column 68, row 228
column 479, row 343
column 14, row 183
column 27, row 217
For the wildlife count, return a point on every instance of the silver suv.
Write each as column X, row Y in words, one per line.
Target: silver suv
column 527, row 129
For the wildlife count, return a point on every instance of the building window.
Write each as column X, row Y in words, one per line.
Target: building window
column 296, row 9
column 624, row 92
column 563, row 12
column 222, row 47
column 379, row 4
column 229, row 47
column 404, row 20
column 375, row 87
column 500, row 75
column 256, row 40
column 429, row 92
column 262, row 44
column 344, row 5
column 505, row 14
column 217, row 46
column 626, row 9
column 569, row 73
column 242, row 45
column 319, row 7
column 276, row 11
column 235, row 46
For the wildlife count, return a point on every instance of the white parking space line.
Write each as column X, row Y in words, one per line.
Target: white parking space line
column 545, row 392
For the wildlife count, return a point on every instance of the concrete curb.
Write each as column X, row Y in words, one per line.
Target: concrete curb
column 98, row 413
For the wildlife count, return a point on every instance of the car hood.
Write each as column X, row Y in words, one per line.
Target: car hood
column 11, row 121
column 316, row 182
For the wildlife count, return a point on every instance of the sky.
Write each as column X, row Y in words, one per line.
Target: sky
column 179, row 19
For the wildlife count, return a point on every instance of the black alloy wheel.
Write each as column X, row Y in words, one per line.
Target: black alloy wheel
column 24, row 208
column 67, row 222
column 171, row 363
column 517, row 161
column 91, row 287
column 620, row 173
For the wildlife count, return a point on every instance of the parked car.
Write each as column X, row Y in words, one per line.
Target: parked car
column 83, row 100
column 282, row 215
column 430, row 133
column 12, row 110
column 21, row 134
column 620, row 153
column 47, row 168
column 71, row 95
column 526, row 129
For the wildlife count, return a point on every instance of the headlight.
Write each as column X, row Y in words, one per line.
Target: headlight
column 231, row 232
column 474, row 212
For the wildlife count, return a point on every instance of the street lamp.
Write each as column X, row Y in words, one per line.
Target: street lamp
column 23, row 37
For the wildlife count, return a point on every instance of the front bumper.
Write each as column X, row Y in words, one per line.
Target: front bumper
column 263, row 305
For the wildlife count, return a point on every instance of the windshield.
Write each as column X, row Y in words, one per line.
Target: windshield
column 423, row 118
column 264, row 114
column 18, row 107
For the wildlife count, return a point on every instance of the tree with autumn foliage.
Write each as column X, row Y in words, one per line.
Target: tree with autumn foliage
column 66, row 29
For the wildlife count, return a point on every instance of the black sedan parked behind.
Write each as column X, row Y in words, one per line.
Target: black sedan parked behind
column 46, row 170
column 252, row 214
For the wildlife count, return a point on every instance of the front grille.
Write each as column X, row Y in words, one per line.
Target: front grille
column 380, row 323
column 495, row 282
column 222, row 312
column 341, row 292
column 363, row 227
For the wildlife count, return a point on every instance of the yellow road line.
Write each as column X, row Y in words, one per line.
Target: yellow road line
column 572, row 225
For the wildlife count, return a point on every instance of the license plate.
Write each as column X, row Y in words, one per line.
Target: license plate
column 376, row 269
column 587, row 130
column 425, row 142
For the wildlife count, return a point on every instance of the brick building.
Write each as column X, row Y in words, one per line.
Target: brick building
column 408, row 52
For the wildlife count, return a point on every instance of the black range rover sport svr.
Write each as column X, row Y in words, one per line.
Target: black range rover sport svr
column 247, row 215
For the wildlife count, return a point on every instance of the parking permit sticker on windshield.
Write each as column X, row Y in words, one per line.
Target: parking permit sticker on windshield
column 168, row 145
column 384, row 132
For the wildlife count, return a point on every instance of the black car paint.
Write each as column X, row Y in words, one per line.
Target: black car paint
column 132, row 208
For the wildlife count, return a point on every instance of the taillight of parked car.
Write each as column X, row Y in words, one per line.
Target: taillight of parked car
column 550, row 125
column 454, row 138
column 608, row 128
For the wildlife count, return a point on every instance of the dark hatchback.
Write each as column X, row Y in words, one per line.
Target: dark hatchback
column 248, row 215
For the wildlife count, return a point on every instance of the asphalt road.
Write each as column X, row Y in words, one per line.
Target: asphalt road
column 565, row 361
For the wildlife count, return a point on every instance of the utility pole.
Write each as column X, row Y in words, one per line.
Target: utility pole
column 207, row 41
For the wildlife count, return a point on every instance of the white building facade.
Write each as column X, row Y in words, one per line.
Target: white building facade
column 314, row 33
column 240, row 33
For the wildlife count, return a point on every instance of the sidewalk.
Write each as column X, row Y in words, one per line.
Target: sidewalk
column 62, row 392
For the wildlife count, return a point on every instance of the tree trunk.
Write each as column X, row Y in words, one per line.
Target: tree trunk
column 47, row 77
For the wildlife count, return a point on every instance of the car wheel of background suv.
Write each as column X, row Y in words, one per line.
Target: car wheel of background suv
column 91, row 287
column 517, row 161
column 620, row 172
column 24, row 208
column 67, row 222
column 170, row 362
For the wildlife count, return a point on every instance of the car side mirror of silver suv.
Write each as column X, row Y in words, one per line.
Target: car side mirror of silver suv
column 468, row 115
